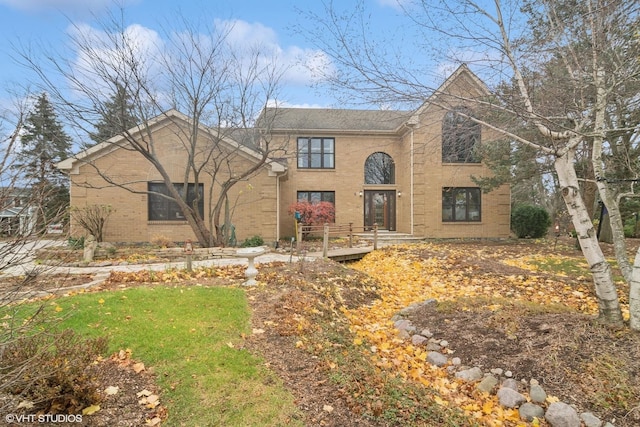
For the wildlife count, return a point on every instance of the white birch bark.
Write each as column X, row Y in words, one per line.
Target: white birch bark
column 606, row 292
column 634, row 295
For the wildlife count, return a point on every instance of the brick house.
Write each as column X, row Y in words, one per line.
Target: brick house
column 407, row 171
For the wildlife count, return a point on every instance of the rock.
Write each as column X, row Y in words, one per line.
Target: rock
column 590, row 420
column 509, row 398
column 470, row 375
column 431, row 346
column 529, row 411
column 534, row 382
column 537, row 394
column 508, row 374
column 405, row 325
column 510, row 383
column 497, row 371
column 487, row 384
column 444, row 343
column 426, row 333
column 407, row 311
column 456, row 361
column 418, row 340
column 559, row 414
column 437, row 359
column 402, row 334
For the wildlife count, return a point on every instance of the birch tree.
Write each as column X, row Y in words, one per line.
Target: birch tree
column 595, row 43
column 196, row 68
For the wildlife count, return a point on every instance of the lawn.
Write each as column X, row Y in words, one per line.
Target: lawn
column 189, row 336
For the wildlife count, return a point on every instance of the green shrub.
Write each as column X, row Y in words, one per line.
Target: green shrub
column 76, row 242
column 530, row 221
column 252, row 242
column 49, row 369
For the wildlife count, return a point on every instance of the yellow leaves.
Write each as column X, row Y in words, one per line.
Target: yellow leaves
column 439, row 401
column 404, row 278
column 90, row 410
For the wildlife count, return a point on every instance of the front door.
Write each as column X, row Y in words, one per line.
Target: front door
column 380, row 208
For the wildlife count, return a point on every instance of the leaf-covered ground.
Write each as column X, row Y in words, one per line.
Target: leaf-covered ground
column 527, row 307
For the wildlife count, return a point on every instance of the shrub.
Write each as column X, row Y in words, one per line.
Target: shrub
column 162, row 242
column 92, row 218
column 530, row 221
column 252, row 242
column 316, row 213
column 76, row 242
column 50, row 370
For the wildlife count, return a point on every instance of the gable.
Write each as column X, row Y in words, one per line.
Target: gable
column 172, row 121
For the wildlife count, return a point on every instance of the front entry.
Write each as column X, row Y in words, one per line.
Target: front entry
column 380, row 208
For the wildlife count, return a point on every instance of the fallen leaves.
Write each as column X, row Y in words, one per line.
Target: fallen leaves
column 406, row 277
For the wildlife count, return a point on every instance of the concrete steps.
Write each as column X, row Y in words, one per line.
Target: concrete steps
column 390, row 238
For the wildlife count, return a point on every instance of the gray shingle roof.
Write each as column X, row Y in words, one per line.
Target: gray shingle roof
column 333, row 119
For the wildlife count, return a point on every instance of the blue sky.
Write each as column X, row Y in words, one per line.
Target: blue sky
column 37, row 21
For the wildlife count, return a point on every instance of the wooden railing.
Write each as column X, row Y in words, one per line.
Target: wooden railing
column 334, row 230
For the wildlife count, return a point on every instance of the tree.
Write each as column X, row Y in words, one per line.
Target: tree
column 594, row 44
column 44, row 143
column 195, row 69
column 118, row 116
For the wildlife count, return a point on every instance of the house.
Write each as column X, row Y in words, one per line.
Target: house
column 17, row 215
column 406, row 171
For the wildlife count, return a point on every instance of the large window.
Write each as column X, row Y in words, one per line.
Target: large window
column 317, row 196
column 460, row 204
column 460, row 137
column 165, row 209
column 316, row 153
column 379, row 169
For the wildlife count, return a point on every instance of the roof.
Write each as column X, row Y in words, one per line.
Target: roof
column 325, row 119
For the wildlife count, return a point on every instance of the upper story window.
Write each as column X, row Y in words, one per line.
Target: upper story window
column 316, row 153
column 460, row 204
column 460, row 135
column 165, row 209
column 379, row 169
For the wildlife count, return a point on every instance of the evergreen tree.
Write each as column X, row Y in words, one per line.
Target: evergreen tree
column 117, row 116
column 44, row 143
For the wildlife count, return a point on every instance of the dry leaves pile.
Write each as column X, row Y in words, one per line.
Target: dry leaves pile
column 406, row 276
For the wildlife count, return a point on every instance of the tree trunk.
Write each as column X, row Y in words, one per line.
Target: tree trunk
column 634, row 295
column 606, row 292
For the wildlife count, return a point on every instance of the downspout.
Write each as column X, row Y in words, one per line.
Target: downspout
column 411, row 181
column 277, row 208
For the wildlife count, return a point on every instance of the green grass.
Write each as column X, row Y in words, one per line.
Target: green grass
column 190, row 336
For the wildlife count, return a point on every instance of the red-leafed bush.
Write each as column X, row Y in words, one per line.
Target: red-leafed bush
column 316, row 213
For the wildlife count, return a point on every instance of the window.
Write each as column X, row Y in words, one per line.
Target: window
column 379, row 169
column 460, row 135
column 316, row 153
column 460, row 204
column 317, row 196
column 164, row 209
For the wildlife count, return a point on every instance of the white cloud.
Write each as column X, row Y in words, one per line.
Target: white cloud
column 303, row 66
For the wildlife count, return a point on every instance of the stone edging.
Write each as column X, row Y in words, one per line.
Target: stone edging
column 498, row 381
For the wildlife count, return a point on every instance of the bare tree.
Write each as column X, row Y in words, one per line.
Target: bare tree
column 20, row 233
column 194, row 68
column 593, row 43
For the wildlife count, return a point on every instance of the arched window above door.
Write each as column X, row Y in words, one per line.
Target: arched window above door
column 379, row 168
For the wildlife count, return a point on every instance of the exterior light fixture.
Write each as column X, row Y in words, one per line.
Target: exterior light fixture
column 360, row 194
column 399, row 193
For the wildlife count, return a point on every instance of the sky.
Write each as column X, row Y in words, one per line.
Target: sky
column 24, row 22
